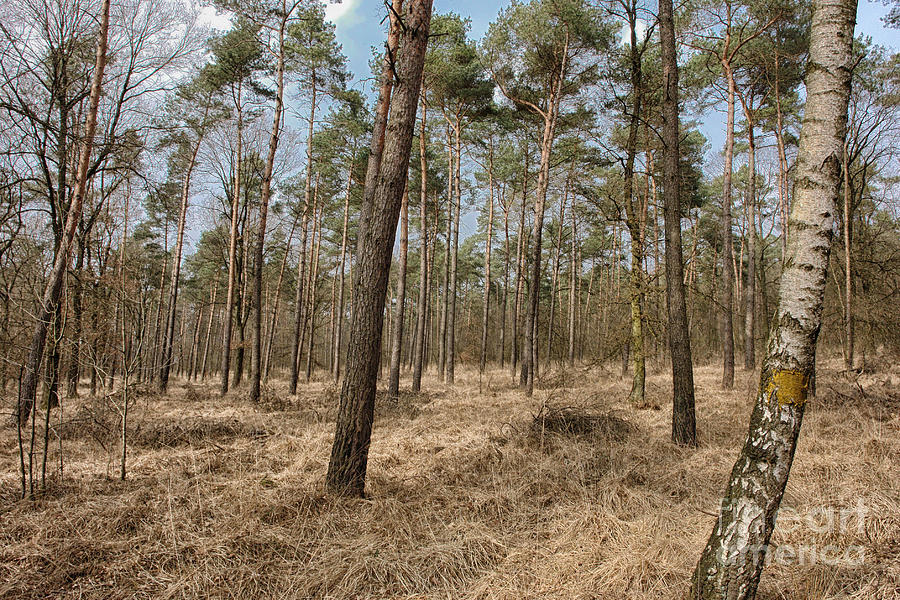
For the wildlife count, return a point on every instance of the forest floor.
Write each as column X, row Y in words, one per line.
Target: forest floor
column 472, row 493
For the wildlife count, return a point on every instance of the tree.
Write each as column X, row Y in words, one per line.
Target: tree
column 732, row 562
column 684, row 429
column 53, row 288
column 320, row 68
column 237, row 56
column 455, row 79
column 548, row 41
column 192, row 105
column 405, row 55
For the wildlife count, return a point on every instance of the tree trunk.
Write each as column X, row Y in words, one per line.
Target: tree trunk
column 574, row 278
column 486, row 310
column 529, row 364
column 232, row 250
column 381, row 209
column 212, row 315
column 397, row 341
column 450, row 373
column 732, row 562
column 169, row 335
column 520, row 270
column 727, row 298
column 339, row 329
column 750, row 289
column 313, row 283
column 635, row 222
column 259, row 261
column 848, row 273
column 50, row 299
column 419, row 361
column 683, row 420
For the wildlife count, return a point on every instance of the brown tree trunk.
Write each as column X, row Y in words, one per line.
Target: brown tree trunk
column 169, row 335
column 50, row 299
column 232, row 251
column 684, row 429
column 349, row 454
column 732, row 562
column 848, row 273
column 419, row 361
column 450, row 372
column 750, row 288
column 313, row 285
column 727, row 297
column 339, row 326
column 397, row 336
column 529, row 363
column 259, row 260
column 486, row 310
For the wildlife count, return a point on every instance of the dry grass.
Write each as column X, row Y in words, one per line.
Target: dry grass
column 571, row 494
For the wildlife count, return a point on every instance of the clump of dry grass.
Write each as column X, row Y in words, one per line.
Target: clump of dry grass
column 471, row 494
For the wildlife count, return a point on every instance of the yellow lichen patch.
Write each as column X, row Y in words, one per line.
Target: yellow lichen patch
column 791, row 387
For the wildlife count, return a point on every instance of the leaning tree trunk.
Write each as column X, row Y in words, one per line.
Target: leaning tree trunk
column 349, row 454
column 683, row 421
column 732, row 562
column 53, row 289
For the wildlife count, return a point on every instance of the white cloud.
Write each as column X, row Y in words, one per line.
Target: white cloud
column 210, row 17
column 640, row 30
column 337, row 10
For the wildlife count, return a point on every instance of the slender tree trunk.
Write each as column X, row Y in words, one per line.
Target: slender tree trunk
column 727, row 298
column 506, row 262
column 489, row 239
column 635, row 222
column 450, row 373
column 520, row 271
column 750, row 289
column 313, row 286
column 50, row 299
column 301, row 264
column 259, row 262
column 445, row 300
column 397, row 341
column 574, row 278
column 554, row 279
column 848, row 273
column 169, row 335
column 232, row 250
column 339, row 329
column 212, row 315
column 349, row 455
column 419, row 361
column 684, row 429
column 529, row 363
column 732, row 562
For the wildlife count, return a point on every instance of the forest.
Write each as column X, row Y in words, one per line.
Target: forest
column 527, row 299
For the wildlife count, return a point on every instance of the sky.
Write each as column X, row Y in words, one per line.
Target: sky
column 359, row 27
